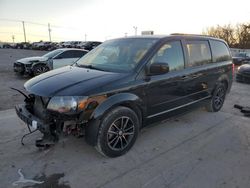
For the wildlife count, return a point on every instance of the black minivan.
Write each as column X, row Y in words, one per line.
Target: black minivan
column 125, row 84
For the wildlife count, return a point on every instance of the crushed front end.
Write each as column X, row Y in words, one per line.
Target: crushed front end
column 56, row 116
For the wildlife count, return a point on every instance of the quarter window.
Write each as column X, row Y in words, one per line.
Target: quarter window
column 198, row 53
column 170, row 53
column 220, row 51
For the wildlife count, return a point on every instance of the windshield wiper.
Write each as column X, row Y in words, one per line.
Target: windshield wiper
column 89, row 67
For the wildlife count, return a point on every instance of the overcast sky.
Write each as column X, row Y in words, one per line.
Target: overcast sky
column 105, row 19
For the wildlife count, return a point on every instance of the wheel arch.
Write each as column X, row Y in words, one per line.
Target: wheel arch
column 224, row 79
column 128, row 100
column 39, row 63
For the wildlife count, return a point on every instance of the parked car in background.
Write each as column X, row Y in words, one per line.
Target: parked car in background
column 241, row 58
column 52, row 60
column 243, row 74
column 74, row 44
column 80, row 44
column 59, row 45
column 52, row 46
column 125, row 84
column 65, row 44
column 23, row 45
column 37, row 45
column 8, row 45
column 89, row 45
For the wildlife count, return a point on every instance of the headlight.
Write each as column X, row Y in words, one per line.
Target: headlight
column 238, row 68
column 67, row 104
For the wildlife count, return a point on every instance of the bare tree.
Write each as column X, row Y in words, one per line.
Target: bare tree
column 236, row 36
column 243, row 33
column 226, row 32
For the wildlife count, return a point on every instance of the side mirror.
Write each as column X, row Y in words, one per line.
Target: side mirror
column 158, row 68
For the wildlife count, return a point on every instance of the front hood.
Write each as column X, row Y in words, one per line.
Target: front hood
column 245, row 68
column 69, row 81
column 32, row 59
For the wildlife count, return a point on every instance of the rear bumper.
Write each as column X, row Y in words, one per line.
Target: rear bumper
column 31, row 120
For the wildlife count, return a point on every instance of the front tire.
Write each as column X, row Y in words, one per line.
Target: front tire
column 118, row 132
column 218, row 97
column 39, row 69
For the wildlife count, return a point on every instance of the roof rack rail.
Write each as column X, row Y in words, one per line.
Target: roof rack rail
column 187, row 34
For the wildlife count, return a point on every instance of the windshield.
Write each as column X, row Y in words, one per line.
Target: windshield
column 120, row 55
column 52, row 53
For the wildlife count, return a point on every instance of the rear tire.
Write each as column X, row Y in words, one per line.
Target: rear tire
column 218, row 97
column 118, row 132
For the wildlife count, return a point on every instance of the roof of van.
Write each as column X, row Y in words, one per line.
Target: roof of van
column 176, row 36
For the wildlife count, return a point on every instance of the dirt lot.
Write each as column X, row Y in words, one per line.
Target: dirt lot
column 9, row 79
column 196, row 150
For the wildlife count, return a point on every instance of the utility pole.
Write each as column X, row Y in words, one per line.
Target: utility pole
column 85, row 36
column 49, row 32
column 24, row 31
column 135, row 28
column 13, row 38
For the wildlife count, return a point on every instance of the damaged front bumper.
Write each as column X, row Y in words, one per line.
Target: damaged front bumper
column 21, row 68
column 30, row 119
column 36, row 123
column 51, row 130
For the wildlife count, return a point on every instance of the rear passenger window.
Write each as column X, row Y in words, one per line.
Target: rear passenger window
column 72, row 54
column 220, row 51
column 67, row 54
column 198, row 53
column 78, row 53
column 170, row 53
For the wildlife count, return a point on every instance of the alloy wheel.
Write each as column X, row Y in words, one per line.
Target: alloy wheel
column 120, row 133
column 219, row 97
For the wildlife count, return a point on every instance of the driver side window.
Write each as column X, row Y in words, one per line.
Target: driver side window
column 170, row 53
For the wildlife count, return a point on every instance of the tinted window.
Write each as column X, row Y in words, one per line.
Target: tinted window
column 52, row 54
column 71, row 54
column 198, row 53
column 170, row 53
column 220, row 51
column 78, row 53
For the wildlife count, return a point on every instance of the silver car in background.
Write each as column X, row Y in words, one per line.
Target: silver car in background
column 52, row 60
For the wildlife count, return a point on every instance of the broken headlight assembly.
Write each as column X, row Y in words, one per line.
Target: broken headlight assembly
column 67, row 104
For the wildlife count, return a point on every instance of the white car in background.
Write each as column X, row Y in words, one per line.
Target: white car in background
column 52, row 60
